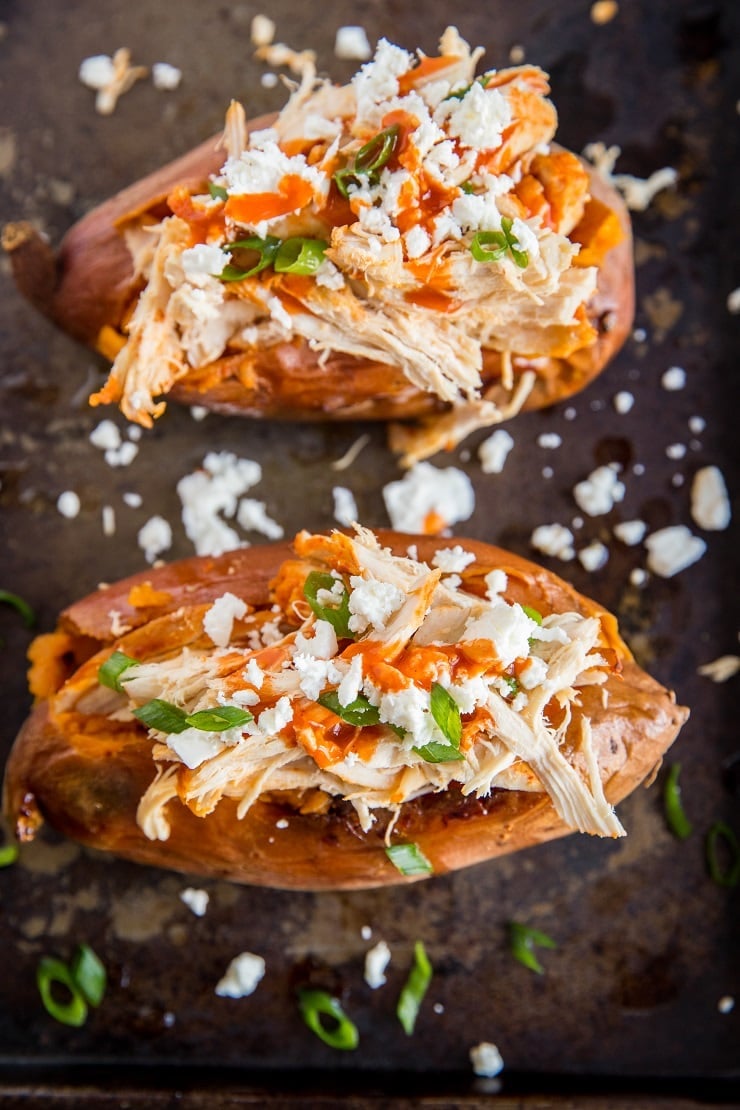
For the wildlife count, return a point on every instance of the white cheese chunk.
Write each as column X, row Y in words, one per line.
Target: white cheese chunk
column 372, row 603
column 194, row 746
column 242, row 977
column 376, row 961
column 549, row 440
column 351, row 43
column 345, row 506
column 673, row 549
column 494, row 450
column 219, row 620
column 486, row 1059
column 623, row 401
column 195, row 899
column 553, row 539
column 710, row 503
column 429, row 494
column 598, row 493
column 323, row 643
column 452, row 559
column 630, row 532
column 154, row 537
column 165, row 76
column 68, row 504
column 594, row 557
column 105, row 435
column 673, row 379
column 507, row 626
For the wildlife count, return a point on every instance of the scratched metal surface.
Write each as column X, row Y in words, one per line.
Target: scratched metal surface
column 647, row 943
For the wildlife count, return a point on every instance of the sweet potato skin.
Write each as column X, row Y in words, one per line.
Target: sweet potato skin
column 86, row 778
column 89, row 285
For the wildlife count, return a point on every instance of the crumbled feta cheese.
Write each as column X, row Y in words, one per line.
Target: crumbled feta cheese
column 242, row 976
column 195, row 899
column 452, row 559
column 271, row 721
column 676, row 451
column 547, row 472
column 371, row 603
column 697, row 424
column 733, row 301
column 314, row 674
column 253, row 673
column 202, row 261
column 282, row 823
column 677, row 480
column 121, row 456
column 726, row 1004
column 623, row 402
column 721, row 669
column 198, row 412
column 218, row 622
column 478, row 119
column 630, row 532
column 154, row 537
column 345, row 506
column 494, row 450
column 213, row 490
column 262, row 31
column 486, row 1059
column 328, row 276
column 496, row 583
column 252, row 517
column 507, row 627
column 194, row 746
column 525, row 239
column 377, row 80
column 598, row 493
column 132, row 499
column 570, row 413
column 553, row 539
column 366, row 932
column 594, row 557
column 105, row 435
column 534, row 673
column 108, row 514
column 710, row 502
column 110, row 77
column 166, row 77
column 351, row 43
column 638, row 469
column 351, row 683
column 376, row 961
column 323, row 643
column 638, row 576
column 672, row 550
column 68, row 504
column 549, row 441
column 428, row 499
column 673, row 379
column 417, row 242
column 269, row 80
column 96, row 72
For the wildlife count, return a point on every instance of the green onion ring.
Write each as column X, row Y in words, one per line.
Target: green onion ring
column 313, row 1004
column 729, row 874
column 50, row 971
column 89, row 975
column 8, row 854
column 412, row 995
column 522, row 939
column 20, row 605
column 675, row 814
column 300, row 256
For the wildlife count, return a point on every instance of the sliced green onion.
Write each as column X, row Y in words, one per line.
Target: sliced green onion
column 358, row 712
column 412, row 995
column 110, row 672
column 533, row 614
column 266, row 249
column 314, row 1004
column 512, row 683
column 728, row 873
column 485, row 239
column 217, row 191
column 300, row 256
column 20, row 605
column 520, row 257
column 434, row 752
column 49, row 972
column 468, row 187
column 460, row 93
column 338, row 617
column 523, row 939
column 162, row 715
column 8, row 854
column 377, row 152
column 675, row 815
column 446, row 713
column 219, row 718
column 409, row 859
column 88, row 973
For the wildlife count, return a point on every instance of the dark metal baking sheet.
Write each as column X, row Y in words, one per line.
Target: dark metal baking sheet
column 647, row 943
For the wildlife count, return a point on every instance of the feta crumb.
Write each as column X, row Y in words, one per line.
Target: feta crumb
column 630, row 532
column 218, row 622
column 598, row 493
column 106, row 435
column 639, row 335
column 553, row 539
column 166, row 77
column 242, row 976
column 351, row 43
column 496, row 582
column 676, row 451
column 697, row 424
column 623, row 401
column 195, row 899
column 269, row 80
column 68, row 504
column 366, row 932
column 733, row 301
column 123, row 455
column 547, row 472
column 726, row 1004
column 452, row 560
column 672, row 550
column 110, row 77
column 282, row 823
column 132, row 499
column 345, row 506
column 638, row 576
column 486, row 1059
column 438, row 1008
column 109, row 520
column 594, row 557
column 429, row 499
column 677, row 480
column 252, row 517
column 96, row 72
column 262, row 31
column 673, row 379
column 154, row 537
column 213, row 490
column 638, row 469
column 323, row 643
column 376, row 961
column 194, row 746
column 417, row 242
column 372, row 603
column 710, row 503
column 493, row 451
column 721, row 669
column 549, row 440
column 253, row 673
column 272, row 721
column 198, row 412
column 570, row 413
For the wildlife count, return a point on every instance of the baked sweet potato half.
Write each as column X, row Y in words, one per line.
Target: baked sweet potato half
column 411, row 245
column 351, row 712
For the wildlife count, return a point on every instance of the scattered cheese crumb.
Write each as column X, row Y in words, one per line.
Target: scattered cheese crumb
column 352, row 44
column 604, row 11
column 213, row 492
column 638, row 469
column 553, row 539
column 166, row 77
column 638, row 576
column 195, row 899
column 486, row 1059
column 429, row 499
column 630, row 532
column 242, row 976
column 493, row 451
column 673, row 549
column 132, row 499
column 345, row 506
column 106, row 436
column 123, row 455
column 721, row 669
column 710, row 503
column 570, row 413
column 68, row 504
column 697, row 424
column 549, row 440
column 639, row 335
column 376, row 961
column 154, row 537
column 598, row 493
column 676, row 451
column 726, row 1004
column 110, row 78
column 673, row 379
column 109, row 520
column 269, row 80
column 366, row 932
column 594, row 557
column 198, row 412
column 282, row 823
column 733, row 301
column 218, row 621
column 623, row 402
column 262, row 30
column 547, row 472
column 452, row 560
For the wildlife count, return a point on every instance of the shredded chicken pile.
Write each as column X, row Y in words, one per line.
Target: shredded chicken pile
column 379, row 681
column 398, row 180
